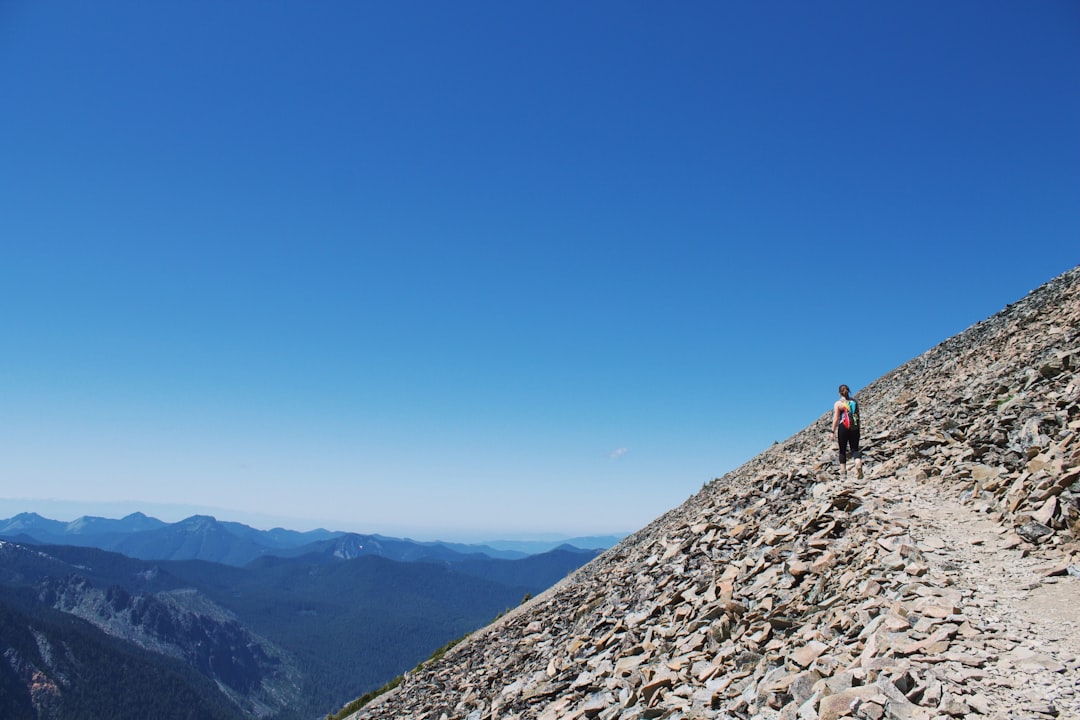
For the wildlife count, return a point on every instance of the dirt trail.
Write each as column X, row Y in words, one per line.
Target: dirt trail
column 1028, row 621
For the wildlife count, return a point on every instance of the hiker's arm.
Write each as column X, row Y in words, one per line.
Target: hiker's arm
column 835, row 418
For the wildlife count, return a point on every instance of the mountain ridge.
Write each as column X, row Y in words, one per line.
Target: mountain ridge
column 204, row 537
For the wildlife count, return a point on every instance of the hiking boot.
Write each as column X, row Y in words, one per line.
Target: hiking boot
column 858, row 469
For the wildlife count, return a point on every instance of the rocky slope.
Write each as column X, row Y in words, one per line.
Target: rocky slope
column 784, row 591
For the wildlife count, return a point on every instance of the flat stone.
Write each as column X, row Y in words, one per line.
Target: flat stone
column 844, row 703
column 1030, row 661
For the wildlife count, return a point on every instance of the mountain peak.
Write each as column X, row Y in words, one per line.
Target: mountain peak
column 200, row 521
column 30, row 521
column 81, row 524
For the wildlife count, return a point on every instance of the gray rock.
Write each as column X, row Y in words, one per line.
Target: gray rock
column 1034, row 532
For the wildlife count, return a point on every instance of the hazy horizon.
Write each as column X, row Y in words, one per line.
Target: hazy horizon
column 68, row 511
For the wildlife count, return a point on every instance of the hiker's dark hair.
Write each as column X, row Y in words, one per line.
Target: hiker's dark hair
column 845, row 391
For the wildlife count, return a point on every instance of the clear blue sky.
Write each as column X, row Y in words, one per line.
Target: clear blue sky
column 490, row 269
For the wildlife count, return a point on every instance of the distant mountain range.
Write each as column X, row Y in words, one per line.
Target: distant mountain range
column 202, row 537
column 140, row 618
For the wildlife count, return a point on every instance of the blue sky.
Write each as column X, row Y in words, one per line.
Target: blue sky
column 492, row 269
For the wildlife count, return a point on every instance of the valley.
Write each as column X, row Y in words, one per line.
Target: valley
column 285, row 636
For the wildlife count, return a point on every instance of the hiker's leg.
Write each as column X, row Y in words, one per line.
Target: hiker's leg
column 853, row 440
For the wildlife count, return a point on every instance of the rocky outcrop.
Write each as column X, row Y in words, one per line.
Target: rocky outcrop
column 782, row 590
column 258, row 677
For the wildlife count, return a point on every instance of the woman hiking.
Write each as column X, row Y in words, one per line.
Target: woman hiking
column 845, row 427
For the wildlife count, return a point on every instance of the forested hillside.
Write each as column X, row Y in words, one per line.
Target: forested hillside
column 283, row 638
column 59, row 666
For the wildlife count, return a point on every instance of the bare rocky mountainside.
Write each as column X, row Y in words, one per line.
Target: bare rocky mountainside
column 943, row 584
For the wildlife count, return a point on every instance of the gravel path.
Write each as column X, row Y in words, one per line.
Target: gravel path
column 1028, row 621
